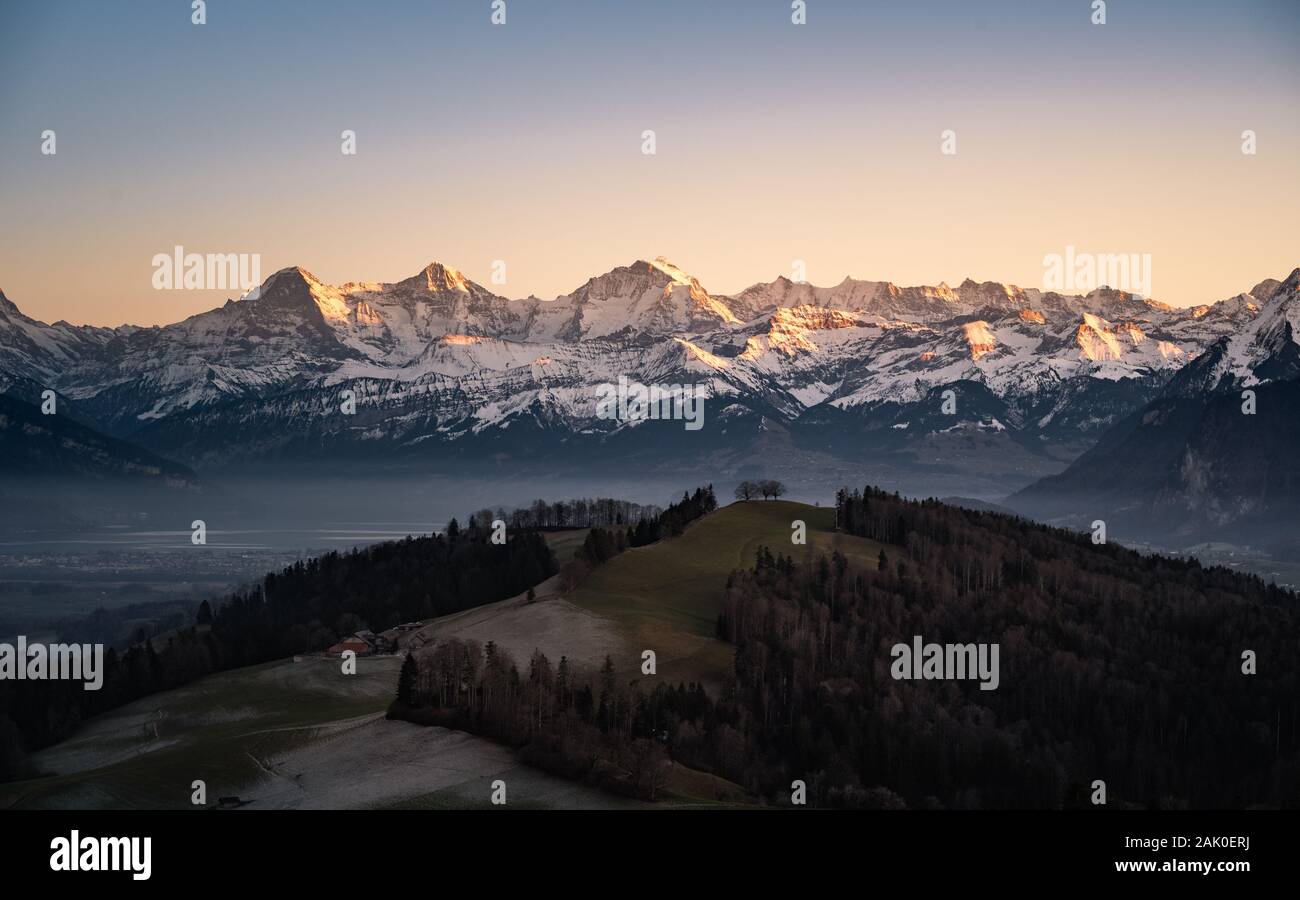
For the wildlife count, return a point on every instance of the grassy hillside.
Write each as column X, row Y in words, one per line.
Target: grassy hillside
column 284, row 735
column 147, row 753
column 302, row 734
column 666, row 597
column 298, row 733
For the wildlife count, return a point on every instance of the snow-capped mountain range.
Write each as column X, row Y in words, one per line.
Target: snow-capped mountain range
column 1211, row 456
column 438, row 363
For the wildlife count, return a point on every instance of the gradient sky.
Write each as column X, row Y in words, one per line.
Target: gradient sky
column 523, row 142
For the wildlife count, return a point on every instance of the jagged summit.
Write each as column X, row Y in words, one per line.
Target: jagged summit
column 658, row 271
column 291, row 282
column 672, row 271
column 1291, row 284
column 1265, row 289
column 437, row 278
column 290, row 279
column 297, row 273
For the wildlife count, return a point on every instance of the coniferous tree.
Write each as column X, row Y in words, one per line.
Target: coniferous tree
column 406, row 681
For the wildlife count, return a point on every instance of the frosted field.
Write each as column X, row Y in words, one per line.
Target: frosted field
column 282, row 735
column 376, row 763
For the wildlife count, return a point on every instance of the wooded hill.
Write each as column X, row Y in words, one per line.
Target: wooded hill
column 1114, row 666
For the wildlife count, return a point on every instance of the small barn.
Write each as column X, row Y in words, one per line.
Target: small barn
column 354, row 643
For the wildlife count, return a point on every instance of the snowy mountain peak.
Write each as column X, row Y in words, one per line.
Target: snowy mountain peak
column 437, row 278
column 290, row 278
column 1289, row 286
column 676, row 274
column 991, row 293
column 653, row 297
column 302, row 273
column 637, row 277
column 1265, row 289
column 1266, row 349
